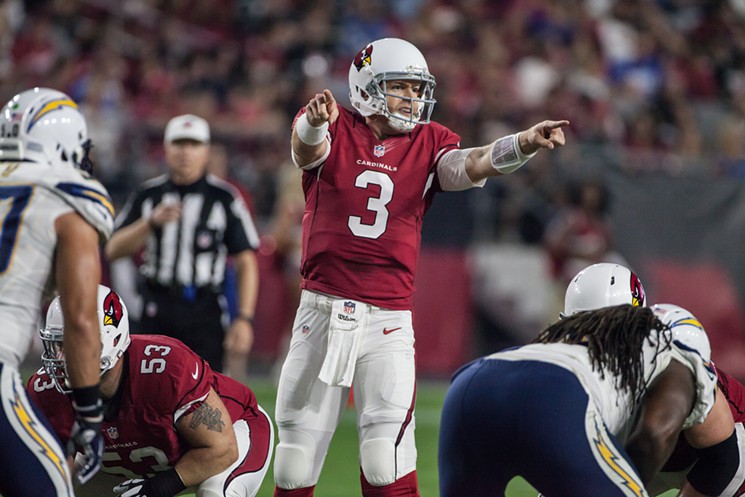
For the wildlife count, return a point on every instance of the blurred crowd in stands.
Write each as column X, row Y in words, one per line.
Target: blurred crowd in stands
column 650, row 86
column 660, row 81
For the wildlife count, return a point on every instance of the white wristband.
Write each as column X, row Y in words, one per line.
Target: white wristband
column 310, row 135
column 505, row 154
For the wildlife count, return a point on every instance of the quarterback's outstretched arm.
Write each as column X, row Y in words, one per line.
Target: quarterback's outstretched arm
column 509, row 153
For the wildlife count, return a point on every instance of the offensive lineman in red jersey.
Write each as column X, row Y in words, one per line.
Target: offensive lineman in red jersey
column 369, row 177
column 167, row 416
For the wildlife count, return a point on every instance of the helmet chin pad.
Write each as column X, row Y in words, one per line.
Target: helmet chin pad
column 401, row 123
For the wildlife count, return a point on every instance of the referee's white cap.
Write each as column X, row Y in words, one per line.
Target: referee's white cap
column 187, row 127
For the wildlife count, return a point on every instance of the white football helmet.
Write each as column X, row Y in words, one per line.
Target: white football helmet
column 46, row 123
column 687, row 331
column 603, row 285
column 113, row 320
column 387, row 60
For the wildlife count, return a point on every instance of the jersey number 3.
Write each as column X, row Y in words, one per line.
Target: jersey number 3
column 374, row 204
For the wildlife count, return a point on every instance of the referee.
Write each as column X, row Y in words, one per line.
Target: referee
column 188, row 222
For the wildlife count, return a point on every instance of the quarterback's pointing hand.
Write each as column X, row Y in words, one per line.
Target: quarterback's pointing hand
column 546, row 134
column 322, row 109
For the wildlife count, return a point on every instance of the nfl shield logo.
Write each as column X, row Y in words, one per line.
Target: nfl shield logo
column 112, row 432
column 349, row 307
column 379, row 150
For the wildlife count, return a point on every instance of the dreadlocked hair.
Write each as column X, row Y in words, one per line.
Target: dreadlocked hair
column 614, row 337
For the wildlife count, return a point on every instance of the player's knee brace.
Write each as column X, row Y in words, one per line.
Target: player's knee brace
column 378, row 461
column 292, row 466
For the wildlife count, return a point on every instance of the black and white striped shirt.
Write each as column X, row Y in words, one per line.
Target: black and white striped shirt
column 192, row 251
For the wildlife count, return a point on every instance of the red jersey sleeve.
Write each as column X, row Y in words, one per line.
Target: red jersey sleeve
column 54, row 405
column 734, row 391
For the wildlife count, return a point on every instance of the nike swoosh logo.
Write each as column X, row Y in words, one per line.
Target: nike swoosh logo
column 195, row 374
column 390, row 330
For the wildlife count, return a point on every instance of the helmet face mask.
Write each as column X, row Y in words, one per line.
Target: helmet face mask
column 384, row 61
column 45, row 122
column 53, row 358
column 603, row 285
column 113, row 321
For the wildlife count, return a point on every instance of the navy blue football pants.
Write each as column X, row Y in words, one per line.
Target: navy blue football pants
column 502, row 419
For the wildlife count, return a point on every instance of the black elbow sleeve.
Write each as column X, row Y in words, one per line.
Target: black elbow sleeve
column 716, row 468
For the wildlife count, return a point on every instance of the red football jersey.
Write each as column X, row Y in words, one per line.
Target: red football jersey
column 364, row 209
column 165, row 381
column 734, row 391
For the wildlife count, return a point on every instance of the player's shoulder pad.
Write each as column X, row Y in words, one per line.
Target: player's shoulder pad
column 687, row 332
column 89, row 198
column 75, row 187
column 41, row 388
column 690, row 346
column 179, row 363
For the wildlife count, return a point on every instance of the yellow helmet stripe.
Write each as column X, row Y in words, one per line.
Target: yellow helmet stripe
column 50, row 106
column 689, row 321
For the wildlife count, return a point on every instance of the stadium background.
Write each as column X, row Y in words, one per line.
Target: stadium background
column 654, row 89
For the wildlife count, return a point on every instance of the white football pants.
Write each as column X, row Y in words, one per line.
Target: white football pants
column 308, row 410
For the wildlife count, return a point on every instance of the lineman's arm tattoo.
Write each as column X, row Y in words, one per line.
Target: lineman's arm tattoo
column 207, row 415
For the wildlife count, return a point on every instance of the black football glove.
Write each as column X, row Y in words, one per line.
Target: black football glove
column 166, row 484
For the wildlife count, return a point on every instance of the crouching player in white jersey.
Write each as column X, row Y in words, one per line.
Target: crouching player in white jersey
column 562, row 411
column 170, row 422
column 52, row 219
column 709, row 458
